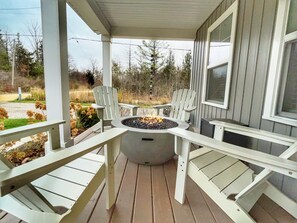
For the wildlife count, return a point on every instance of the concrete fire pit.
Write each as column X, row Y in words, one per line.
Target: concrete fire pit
column 147, row 146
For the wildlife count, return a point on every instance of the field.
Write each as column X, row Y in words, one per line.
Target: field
column 11, row 97
column 86, row 96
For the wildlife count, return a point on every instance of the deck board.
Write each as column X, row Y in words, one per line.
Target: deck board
column 198, row 204
column 260, row 215
column 143, row 211
column 216, row 211
column 146, row 194
column 125, row 200
column 161, row 202
column 182, row 213
column 100, row 214
column 274, row 210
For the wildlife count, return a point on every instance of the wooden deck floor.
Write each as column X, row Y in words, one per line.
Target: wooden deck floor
column 145, row 194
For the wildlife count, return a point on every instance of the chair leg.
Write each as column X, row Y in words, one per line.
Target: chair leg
column 182, row 168
column 111, row 151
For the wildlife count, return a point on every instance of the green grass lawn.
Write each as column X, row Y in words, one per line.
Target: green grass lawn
column 17, row 122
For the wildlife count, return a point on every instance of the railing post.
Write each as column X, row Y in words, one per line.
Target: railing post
column 134, row 111
column 54, row 141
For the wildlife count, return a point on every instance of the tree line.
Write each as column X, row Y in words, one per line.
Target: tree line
column 154, row 73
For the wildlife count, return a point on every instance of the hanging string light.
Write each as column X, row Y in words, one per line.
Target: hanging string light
column 153, row 73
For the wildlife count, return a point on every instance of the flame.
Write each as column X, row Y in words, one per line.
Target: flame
column 150, row 120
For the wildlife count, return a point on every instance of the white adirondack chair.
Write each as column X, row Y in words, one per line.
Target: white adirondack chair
column 56, row 187
column 107, row 105
column 217, row 168
column 182, row 103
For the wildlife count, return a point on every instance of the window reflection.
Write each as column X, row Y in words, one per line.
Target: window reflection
column 220, row 42
column 216, row 84
column 290, row 94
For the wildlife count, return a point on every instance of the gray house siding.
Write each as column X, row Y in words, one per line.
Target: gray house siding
column 255, row 26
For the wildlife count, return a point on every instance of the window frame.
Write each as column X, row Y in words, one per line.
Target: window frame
column 275, row 82
column 231, row 10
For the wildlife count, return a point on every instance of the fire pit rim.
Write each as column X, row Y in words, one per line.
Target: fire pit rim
column 118, row 123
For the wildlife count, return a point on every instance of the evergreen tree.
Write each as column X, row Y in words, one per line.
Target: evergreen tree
column 4, row 58
column 169, row 71
column 23, row 58
column 186, row 70
column 117, row 74
column 37, row 67
column 90, row 78
column 150, row 55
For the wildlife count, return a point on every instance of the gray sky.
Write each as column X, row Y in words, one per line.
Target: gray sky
column 17, row 15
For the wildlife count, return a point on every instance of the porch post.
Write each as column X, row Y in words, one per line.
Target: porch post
column 54, row 29
column 106, row 54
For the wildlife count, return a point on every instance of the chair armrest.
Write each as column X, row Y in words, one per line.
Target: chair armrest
column 128, row 105
column 17, row 177
column 161, row 106
column 190, row 109
column 255, row 133
column 158, row 107
column 276, row 164
column 28, row 130
column 97, row 106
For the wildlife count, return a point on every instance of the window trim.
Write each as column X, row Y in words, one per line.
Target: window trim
column 231, row 10
column 271, row 106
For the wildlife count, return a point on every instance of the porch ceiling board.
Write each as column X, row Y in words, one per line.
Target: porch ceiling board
column 163, row 19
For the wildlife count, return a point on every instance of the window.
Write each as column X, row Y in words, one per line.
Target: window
column 218, row 60
column 281, row 93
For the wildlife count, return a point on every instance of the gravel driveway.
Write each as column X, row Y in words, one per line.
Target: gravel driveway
column 18, row 110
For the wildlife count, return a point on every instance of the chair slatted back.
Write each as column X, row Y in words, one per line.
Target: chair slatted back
column 181, row 99
column 108, row 97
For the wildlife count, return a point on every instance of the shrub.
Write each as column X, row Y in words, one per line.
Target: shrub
column 87, row 117
column 3, row 113
column 82, row 95
column 37, row 94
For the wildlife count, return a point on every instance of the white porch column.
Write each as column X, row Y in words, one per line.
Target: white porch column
column 106, row 54
column 54, row 29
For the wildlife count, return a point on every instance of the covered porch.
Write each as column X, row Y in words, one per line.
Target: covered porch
column 146, row 193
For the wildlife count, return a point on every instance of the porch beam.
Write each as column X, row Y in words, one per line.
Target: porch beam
column 54, row 30
column 151, row 33
column 106, row 57
column 89, row 11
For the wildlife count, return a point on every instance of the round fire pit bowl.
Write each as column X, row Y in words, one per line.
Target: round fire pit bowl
column 146, row 142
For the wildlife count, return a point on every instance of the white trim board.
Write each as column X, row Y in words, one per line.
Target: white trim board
column 231, row 10
column 274, row 74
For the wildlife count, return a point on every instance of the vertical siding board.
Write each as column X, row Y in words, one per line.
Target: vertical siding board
column 248, row 14
column 236, row 58
column 204, row 35
column 200, row 71
column 252, row 62
column 198, row 82
column 194, row 78
column 263, row 62
column 210, row 22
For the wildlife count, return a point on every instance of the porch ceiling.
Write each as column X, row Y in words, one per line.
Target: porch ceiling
column 154, row 19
